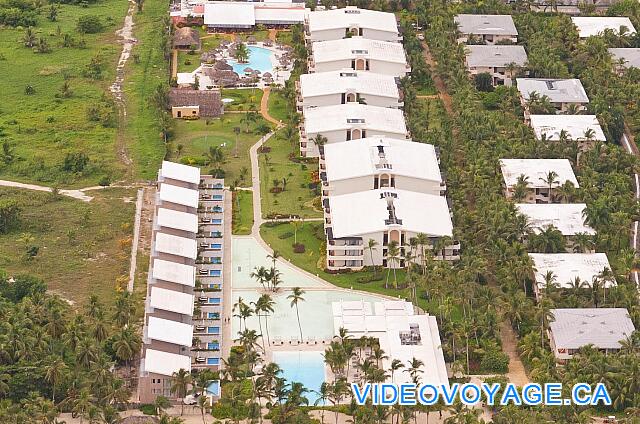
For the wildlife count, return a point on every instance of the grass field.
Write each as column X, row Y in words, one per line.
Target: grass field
column 242, row 212
column 278, row 106
column 144, row 141
column 188, row 62
column 243, row 98
column 44, row 126
column 196, row 137
column 297, row 198
column 83, row 247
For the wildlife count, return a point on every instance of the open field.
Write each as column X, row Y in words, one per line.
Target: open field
column 45, row 126
column 83, row 247
column 296, row 198
column 242, row 212
column 278, row 105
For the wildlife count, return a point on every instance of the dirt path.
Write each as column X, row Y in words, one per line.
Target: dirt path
column 126, row 34
column 273, row 34
column 174, row 63
column 264, row 107
column 442, row 89
column 133, row 261
column 517, row 373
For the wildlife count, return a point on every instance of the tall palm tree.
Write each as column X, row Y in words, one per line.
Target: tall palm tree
column 414, row 370
column 264, row 305
column 371, row 246
column 396, row 364
column 550, row 179
column 54, row 373
column 180, row 382
column 393, row 256
column 260, row 274
column 296, row 297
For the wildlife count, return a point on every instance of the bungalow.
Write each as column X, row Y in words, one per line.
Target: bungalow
column 535, row 173
column 380, row 162
column 626, row 58
column 585, row 129
column 568, row 269
column 348, row 86
column 385, row 215
column 489, row 29
column 589, row 26
column 351, row 121
column 501, row 62
column 360, row 54
column 336, row 24
column 186, row 38
column 561, row 93
column 193, row 104
column 603, row 328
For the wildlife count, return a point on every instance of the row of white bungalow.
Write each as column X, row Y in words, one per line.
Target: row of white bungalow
column 536, row 180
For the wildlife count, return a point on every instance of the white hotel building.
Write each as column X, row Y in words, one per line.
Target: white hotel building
column 535, row 171
column 336, row 24
column 346, row 122
column 348, row 86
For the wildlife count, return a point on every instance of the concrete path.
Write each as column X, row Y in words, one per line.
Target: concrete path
column 517, row 373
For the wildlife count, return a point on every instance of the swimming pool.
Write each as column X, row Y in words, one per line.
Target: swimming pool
column 259, row 59
column 214, row 388
column 302, row 367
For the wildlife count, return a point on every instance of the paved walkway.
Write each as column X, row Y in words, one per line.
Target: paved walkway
column 133, row 264
column 517, row 373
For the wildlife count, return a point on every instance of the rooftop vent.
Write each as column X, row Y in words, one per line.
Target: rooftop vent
column 551, row 85
column 352, row 11
column 359, row 51
column 355, row 120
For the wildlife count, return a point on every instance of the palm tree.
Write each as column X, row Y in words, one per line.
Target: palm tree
column 265, row 305
column 393, row 256
column 396, row 364
column 214, row 157
column 54, row 374
column 242, row 53
column 82, row 404
column 323, row 396
column 274, row 257
column 126, row 344
column 550, row 179
column 161, row 403
column 260, row 274
column 296, row 297
column 180, row 382
column 521, row 188
column 414, row 370
column 371, row 246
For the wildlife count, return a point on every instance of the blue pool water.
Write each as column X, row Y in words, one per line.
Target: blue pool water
column 214, row 388
column 304, row 367
column 259, row 59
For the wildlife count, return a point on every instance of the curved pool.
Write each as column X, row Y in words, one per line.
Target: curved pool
column 259, row 59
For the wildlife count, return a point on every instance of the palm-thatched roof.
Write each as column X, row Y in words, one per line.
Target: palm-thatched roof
column 223, row 78
column 209, row 101
column 186, row 37
column 222, row 65
column 140, row 420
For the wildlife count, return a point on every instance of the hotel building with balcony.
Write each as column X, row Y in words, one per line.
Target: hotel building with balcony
column 490, row 29
column 561, row 93
column 336, row 24
column 495, row 61
column 535, row 172
column 585, row 129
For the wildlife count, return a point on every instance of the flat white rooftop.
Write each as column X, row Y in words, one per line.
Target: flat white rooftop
column 351, row 16
column 179, row 195
column 575, row 126
column 165, row 330
column 567, row 266
column 375, row 155
column 180, row 172
column 566, row 217
column 175, row 245
column 171, row 300
column 630, row 57
column 602, row 327
column 348, row 80
column 486, row 24
column 366, row 212
column 495, row 56
column 229, row 14
column 174, row 272
column 165, row 363
column 284, row 13
column 178, row 220
column 595, row 25
column 536, row 171
column 319, row 120
column 349, row 48
column 557, row 90
column 402, row 335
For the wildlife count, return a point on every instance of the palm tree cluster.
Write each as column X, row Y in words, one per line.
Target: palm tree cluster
column 56, row 359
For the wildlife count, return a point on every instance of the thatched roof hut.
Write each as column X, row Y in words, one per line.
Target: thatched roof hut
column 210, row 101
column 140, row 420
column 222, row 65
column 223, row 78
column 208, row 57
column 251, row 39
column 186, row 38
column 267, row 43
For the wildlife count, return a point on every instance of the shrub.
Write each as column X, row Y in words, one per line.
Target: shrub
column 147, row 409
column 75, row 162
column 298, row 248
column 89, row 24
column 286, row 235
column 494, row 361
column 104, row 181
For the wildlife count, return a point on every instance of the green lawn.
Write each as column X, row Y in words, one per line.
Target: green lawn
column 243, row 98
column 297, row 198
column 197, row 136
column 209, row 43
column 144, row 74
column 279, row 107
column 44, row 127
column 242, row 212
column 83, row 247
column 188, row 62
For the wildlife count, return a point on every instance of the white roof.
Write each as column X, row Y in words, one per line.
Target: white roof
column 165, row 363
column 567, row 266
column 495, row 56
column 574, row 125
column 171, row 300
column 279, row 13
column 390, row 320
column 602, row 327
column 566, row 217
column 631, row 56
column 179, row 195
column 352, row 16
column 174, row 245
column 557, row 90
column 536, row 170
column 178, row 220
column 349, row 48
column 229, row 14
column 348, row 80
column 166, row 330
column 174, row 272
column 184, row 78
column 365, row 212
column 486, row 24
column 323, row 119
column 351, row 159
column 180, row 172
column 594, row 25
